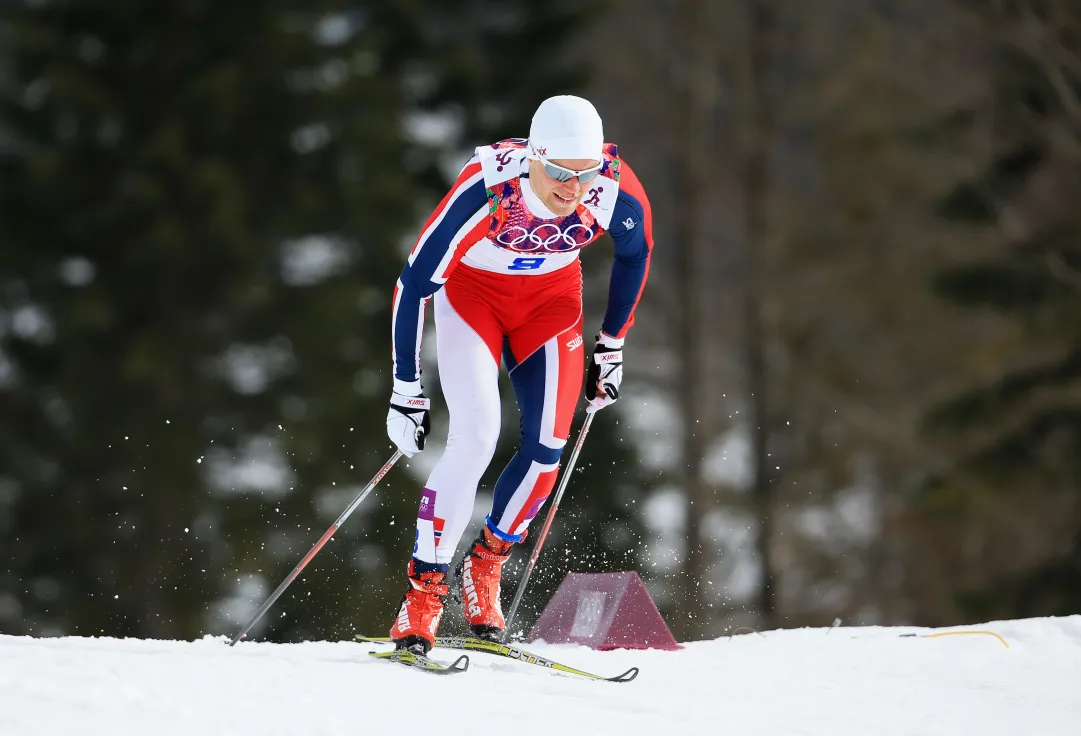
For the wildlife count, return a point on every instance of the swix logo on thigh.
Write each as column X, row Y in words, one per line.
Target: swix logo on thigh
column 470, row 590
column 575, row 343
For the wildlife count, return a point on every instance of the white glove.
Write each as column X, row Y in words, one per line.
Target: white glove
column 605, row 372
column 408, row 421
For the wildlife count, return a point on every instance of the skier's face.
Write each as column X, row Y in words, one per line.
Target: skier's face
column 561, row 197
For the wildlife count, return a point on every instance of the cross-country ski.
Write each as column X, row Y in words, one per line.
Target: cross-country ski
column 473, row 644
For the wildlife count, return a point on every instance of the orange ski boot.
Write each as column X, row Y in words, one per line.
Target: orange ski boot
column 479, row 573
column 421, row 608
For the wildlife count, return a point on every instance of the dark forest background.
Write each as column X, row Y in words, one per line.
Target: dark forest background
column 854, row 387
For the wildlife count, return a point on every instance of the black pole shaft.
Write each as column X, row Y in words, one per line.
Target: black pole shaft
column 318, row 545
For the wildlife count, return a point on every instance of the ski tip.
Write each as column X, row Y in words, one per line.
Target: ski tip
column 626, row 676
column 421, row 662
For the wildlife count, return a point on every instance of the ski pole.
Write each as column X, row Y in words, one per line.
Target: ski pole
column 318, row 545
column 547, row 524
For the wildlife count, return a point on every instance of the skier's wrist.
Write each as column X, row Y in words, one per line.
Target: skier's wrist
column 614, row 343
column 408, row 388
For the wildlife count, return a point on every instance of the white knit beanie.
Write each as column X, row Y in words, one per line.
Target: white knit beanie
column 566, row 127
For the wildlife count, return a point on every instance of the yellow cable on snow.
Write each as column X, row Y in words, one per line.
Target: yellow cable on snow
column 962, row 633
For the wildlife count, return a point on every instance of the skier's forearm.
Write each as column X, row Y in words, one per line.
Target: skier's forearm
column 407, row 327
column 624, row 291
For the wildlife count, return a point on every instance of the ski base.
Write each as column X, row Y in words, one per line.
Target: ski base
column 473, row 644
column 419, row 661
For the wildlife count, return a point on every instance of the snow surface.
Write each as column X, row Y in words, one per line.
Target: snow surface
column 844, row 682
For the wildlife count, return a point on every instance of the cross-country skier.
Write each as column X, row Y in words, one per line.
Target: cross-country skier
column 500, row 256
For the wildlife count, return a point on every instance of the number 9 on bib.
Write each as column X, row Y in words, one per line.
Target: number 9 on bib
column 525, row 264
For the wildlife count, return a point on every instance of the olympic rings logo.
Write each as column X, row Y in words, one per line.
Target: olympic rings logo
column 548, row 238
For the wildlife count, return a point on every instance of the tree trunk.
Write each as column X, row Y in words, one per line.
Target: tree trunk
column 699, row 92
column 761, row 24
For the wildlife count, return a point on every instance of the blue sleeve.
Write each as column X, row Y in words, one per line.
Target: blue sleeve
column 430, row 265
column 631, row 230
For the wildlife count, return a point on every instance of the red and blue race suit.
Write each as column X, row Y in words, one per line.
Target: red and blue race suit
column 507, row 283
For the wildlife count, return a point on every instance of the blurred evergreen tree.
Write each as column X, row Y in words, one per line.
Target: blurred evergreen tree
column 1018, row 436
column 205, row 208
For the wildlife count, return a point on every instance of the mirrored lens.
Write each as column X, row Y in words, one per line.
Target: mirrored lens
column 558, row 172
column 561, row 174
column 588, row 176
